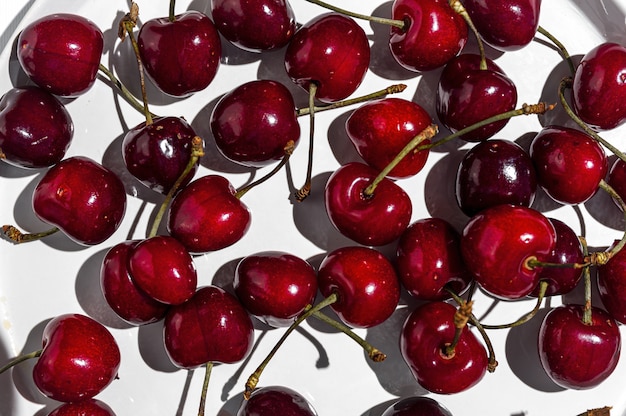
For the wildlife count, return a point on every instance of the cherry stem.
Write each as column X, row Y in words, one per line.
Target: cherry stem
column 20, row 359
column 600, row 411
column 122, row 88
column 13, row 234
column 197, row 151
column 587, row 318
column 562, row 50
column 602, row 258
column 253, row 380
column 532, row 262
column 205, row 387
column 543, row 286
column 372, row 352
column 458, row 7
column 461, row 316
column 172, row 14
column 288, row 152
column 305, row 190
column 400, row 24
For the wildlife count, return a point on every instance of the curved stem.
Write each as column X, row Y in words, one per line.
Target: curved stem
column 601, row 260
column 563, row 51
column 458, row 7
column 20, row 359
column 305, row 190
column 461, row 316
column 205, row 387
column 288, row 151
column 391, row 22
column 13, row 234
column 543, row 285
column 122, row 88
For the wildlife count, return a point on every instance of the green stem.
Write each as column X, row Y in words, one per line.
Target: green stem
column 20, row 359
column 172, row 14
column 622, row 242
column 305, row 190
column 205, row 387
column 458, row 7
column 288, row 151
column 400, row 24
column 122, row 88
column 543, row 286
column 563, row 51
column 16, row 236
column 587, row 318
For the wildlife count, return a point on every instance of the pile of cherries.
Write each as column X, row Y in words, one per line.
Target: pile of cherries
column 507, row 249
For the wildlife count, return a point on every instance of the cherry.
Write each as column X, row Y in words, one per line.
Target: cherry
column 380, row 129
column 276, row 400
column 416, row 405
column 434, row 34
column 575, row 354
column 598, row 86
column 181, row 54
column 423, row 340
column 255, row 122
column 330, row 51
column 365, row 283
column 61, row 53
column 207, row 215
column 467, row 94
column 275, row 286
column 495, row 172
column 500, row 244
column 90, row 407
column 429, row 261
column 35, row 128
column 212, row 326
column 610, row 278
column 255, row 25
column 617, row 179
column 570, row 164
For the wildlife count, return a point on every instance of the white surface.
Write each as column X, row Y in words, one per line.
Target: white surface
column 43, row 279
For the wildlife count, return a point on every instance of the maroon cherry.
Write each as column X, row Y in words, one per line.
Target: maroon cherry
column 90, row 407
column 612, row 287
column 181, row 54
column 331, row 51
column 35, row 128
column 380, row 129
column 65, row 64
column 617, row 179
column 259, row 25
column 82, row 198
column 365, row 283
column 577, row 355
column 416, row 405
column 434, row 34
column 599, row 83
column 275, row 286
column 570, row 164
column 426, row 333
column 276, row 400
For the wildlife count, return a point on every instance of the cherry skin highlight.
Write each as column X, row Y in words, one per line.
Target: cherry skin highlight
column 90, row 407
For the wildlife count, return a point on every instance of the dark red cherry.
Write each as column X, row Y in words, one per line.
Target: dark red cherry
column 82, row 198
column 258, row 25
column 570, row 164
column 576, row 355
column 212, row 326
column 495, row 172
column 207, row 215
column 61, row 53
column 181, row 56
column 434, row 34
column 425, row 334
column 275, row 286
column 380, row 129
column 373, row 220
column 365, row 282
column 612, row 285
column 35, row 128
column 158, row 153
column 332, row 51
column 598, row 96
column 90, row 407
column 253, row 124
column 416, row 405
column 617, row 179
column 276, row 400
column 467, row 94
column 429, row 261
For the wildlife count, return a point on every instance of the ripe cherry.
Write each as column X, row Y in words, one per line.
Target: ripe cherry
column 276, row 400
column 416, row 405
column 611, row 285
column 617, row 179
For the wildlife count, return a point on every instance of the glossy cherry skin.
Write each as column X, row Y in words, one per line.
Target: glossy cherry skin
column 275, row 286
column 495, row 172
column 505, row 25
column 259, row 25
column 617, row 179
column 425, row 334
column 66, row 64
column 253, row 124
column 158, row 153
column 210, row 327
column 79, row 359
column 612, row 287
column 35, row 128
column 434, row 35
column 417, row 405
column 429, row 261
column 129, row 302
column 598, row 96
column 90, row 407
column 467, row 94
column 365, row 282
column 332, row 51
column 207, row 215
column 181, row 56
column 380, row 129
column 276, row 400
column 373, row 220
column 497, row 244
column 82, row 198
column 570, row 164
column 576, row 355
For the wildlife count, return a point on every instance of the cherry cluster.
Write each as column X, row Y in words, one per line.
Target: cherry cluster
column 506, row 249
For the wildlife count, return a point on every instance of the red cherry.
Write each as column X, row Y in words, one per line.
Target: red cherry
column 577, row 355
column 612, row 286
column 90, row 407
column 64, row 64
column 365, row 282
column 79, row 359
column 181, row 56
column 276, row 400
column 617, row 179
column 425, row 334
column 416, row 405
